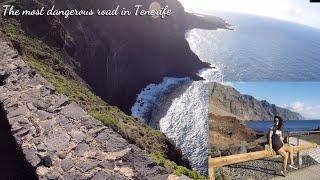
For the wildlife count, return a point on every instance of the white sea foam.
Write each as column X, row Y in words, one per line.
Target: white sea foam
column 148, row 97
column 211, row 74
column 186, row 121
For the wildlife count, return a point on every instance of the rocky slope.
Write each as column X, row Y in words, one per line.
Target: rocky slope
column 118, row 56
column 229, row 101
column 57, row 137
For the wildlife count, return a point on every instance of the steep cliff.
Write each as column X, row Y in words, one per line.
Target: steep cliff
column 228, row 101
column 48, row 62
column 119, row 55
column 112, row 57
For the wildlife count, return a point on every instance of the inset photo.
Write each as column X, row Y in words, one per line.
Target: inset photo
column 264, row 130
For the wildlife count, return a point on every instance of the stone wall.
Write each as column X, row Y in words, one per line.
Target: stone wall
column 13, row 162
column 57, row 137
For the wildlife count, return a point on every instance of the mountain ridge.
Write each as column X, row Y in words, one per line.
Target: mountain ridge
column 246, row 107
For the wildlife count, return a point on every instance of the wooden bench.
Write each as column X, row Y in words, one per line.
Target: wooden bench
column 240, row 158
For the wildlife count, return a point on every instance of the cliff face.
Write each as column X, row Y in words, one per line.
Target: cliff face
column 55, row 138
column 55, row 64
column 118, row 56
column 228, row 100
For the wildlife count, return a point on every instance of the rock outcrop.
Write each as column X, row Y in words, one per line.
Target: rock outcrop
column 229, row 102
column 58, row 139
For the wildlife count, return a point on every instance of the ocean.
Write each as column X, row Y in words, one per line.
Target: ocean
column 291, row 125
column 260, row 49
column 185, row 120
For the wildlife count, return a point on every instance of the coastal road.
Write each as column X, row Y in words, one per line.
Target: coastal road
column 309, row 173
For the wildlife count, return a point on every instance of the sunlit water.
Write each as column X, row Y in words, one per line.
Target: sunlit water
column 292, row 125
column 260, row 48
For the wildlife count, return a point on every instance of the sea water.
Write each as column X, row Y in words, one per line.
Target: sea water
column 290, row 125
column 186, row 120
column 260, row 48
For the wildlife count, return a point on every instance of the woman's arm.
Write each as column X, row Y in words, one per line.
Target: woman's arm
column 281, row 137
column 270, row 138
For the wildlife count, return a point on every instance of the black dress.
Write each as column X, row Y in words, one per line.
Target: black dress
column 276, row 139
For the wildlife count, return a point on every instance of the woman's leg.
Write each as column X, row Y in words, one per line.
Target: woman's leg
column 284, row 155
column 290, row 151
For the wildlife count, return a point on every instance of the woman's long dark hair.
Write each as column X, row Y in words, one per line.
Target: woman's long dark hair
column 280, row 125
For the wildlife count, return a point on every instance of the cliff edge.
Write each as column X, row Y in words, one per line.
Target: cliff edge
column 118, row 55
column 110, row 57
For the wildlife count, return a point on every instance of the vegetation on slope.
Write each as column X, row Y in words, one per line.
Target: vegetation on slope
column 46, row 60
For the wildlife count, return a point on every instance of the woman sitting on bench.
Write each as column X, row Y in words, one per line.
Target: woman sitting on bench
column 276, row 143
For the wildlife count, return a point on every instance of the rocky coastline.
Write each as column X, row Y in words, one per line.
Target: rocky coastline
column 119, row 57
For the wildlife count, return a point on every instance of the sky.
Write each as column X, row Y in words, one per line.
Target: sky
column 298, row 11
column 301, row 97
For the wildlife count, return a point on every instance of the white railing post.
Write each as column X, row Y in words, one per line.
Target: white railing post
column 299, row 158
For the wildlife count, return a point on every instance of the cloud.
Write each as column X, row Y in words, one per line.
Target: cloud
column 297, row 11
column 307, row 111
